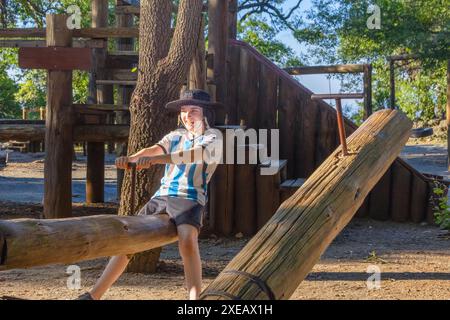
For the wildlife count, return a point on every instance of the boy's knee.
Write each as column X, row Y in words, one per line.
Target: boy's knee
column 188, row 242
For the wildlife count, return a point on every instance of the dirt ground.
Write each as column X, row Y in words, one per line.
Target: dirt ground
column 414, row 259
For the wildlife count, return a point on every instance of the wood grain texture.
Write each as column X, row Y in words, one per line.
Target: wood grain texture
column 283, row 252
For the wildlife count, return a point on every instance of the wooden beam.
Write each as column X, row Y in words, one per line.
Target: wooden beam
column 95, row 173
column 22, row 33
column 35, row 242
column 121, row 75
column 59, row 121
column 284, row 251
column 324, row 96
column 81, row 133
column 367, row 82
column 55, row 58
column 104, row 32
column 218, row 50
column 92, row 43
column 100, row 107
column 118, row 82
column 128, row 10
column 343, row 68
column 392, row 84
column 125, row 47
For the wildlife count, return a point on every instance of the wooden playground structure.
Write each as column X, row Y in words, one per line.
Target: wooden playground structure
column 315, row 193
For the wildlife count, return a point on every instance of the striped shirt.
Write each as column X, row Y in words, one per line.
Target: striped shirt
column 190, row 180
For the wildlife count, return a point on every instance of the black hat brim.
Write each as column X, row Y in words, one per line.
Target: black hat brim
column 177, row 104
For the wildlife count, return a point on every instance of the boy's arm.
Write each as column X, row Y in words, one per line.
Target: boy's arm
column 152, row 151
column 181, row 157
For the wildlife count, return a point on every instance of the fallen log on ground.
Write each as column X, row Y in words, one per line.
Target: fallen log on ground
column 35, row 242
column 282, row 253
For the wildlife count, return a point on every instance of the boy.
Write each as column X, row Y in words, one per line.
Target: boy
column 182, row 194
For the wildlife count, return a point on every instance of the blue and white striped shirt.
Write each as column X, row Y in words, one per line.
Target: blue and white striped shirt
column 187, row 181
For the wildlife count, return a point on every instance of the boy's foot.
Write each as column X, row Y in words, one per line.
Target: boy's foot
column 85, row 296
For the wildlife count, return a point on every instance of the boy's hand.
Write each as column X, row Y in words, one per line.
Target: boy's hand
column 144, row 163
column 122, row 162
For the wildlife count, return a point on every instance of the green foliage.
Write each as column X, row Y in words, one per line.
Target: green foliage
column 441, row 207
column 261, row 35
column 337, row 32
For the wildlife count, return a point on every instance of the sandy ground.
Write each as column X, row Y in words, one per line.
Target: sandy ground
column 414, row 260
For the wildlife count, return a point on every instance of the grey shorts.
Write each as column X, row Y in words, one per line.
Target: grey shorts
column 180, row 210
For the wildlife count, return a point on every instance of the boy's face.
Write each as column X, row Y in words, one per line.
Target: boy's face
column 192, row 118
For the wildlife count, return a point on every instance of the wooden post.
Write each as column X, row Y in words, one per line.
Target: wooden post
column 59, row 127
column 123, row 44
column 367, row 91
column 232, row 19
column 95, row 174
column 278, row 258
column 392, row 83
column 217, row 50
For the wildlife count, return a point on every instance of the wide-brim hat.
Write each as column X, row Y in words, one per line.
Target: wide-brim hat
column 196, row 97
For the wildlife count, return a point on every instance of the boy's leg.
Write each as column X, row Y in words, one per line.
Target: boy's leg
column 116, row 266
column 190, row 254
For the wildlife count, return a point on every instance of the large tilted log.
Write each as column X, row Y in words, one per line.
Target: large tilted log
column 34, row 242
column 283, row 252
column 36, row 132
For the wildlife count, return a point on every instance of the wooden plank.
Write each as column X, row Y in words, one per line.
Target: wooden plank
column 117, row 82
column 22, row 33
column 286, row 249
column 267, row 196
column 217, row 50
column 326, row 135
column 400, row 193
column 245, row 199
column 121, row 75
column 380, row 198
column 95, row 173
column 59, row 124
column 125, row 46
column 233, row 81
column 367, row 83
column 267, row 98
column 93, row 43
column 248, row 90
column 363, row 211
column 222, row 199
column 121, row 61
column 100, row 107
column 419, row 199
column 106, row 32
column 344, row 68
column 306, row 144
column 55, row 58
column 287, row 114
column 127, row 10
column 81, row 133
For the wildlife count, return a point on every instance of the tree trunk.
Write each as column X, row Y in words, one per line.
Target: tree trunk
column 163, row 65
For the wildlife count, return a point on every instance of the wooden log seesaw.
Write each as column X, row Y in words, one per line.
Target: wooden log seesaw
column 275, row 260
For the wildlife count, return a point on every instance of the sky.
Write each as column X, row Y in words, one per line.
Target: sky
column 316, row 83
